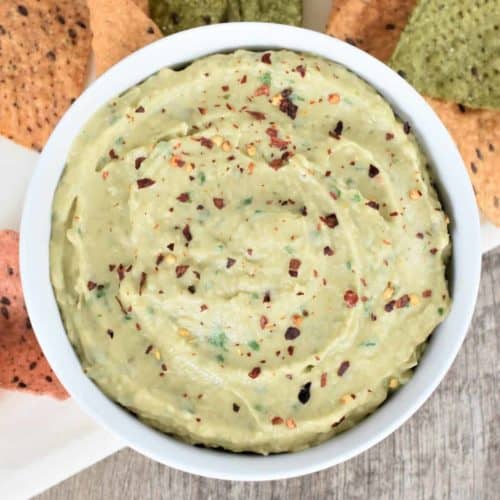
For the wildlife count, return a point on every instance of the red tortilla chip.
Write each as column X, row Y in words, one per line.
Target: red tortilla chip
column 371, row 25
column 119, row 27
column 23, row 366
column 44, row 52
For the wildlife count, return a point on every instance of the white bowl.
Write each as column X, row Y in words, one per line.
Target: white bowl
column 456, row 194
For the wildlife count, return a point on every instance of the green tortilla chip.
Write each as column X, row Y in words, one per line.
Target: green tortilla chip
column 177, row 15
column 451, row 50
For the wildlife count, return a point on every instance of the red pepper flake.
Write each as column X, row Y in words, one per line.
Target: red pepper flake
column 338, row 422
column 290, row 350
column 373, row 171
column 230, row 262
column 305, row 393
column 403, row 301
column 350, row 298
column 277, row 421
column 373, row 317
column 420, row 236
column 303, row 211
column 171, row 246
column 275, row 140
column 187, row 233
column 292, row 333
column 120, row 303
column 140, row 109
column 5, row 312
column 262, row 90
column 267, row 297
column 5, row 301
column 324, row 379
column 219, row 203
column 266, row 58
column 286, row 104
column 293, row 267
column 243, row 79
column 389, row 306
column 181, row 270
column 301, row 70
column 337, row 131
column 91, row 285
column 328, row 251
column 344, row 366
column 145, row 182
column 330, row 220
column 110, row 332
column 112, row 154
column 372, row 204
column 144, row 277
column 202, row 111
column 389, row 136
column 191, row 289
column 394, row 214
column 255, row 372
column 138, row 162
column 121, row 272
column 225, row 88
column 258, row 115
column 138, row 327
column 159, row 259
column 183, row 197
column 236, row 408
column 406, row 128
column 427, row 293
column 263, row 322
column 205, row 142
column 148, row 349
column 433, row 251
column 203, row 307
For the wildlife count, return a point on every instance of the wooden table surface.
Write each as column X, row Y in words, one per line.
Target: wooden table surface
column 449, row 449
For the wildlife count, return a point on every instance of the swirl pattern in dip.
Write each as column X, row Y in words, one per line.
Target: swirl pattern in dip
column 249, row 252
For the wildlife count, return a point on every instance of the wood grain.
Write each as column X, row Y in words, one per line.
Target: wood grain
column 449, row 450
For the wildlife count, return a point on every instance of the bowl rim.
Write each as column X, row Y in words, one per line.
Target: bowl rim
column 452, row 178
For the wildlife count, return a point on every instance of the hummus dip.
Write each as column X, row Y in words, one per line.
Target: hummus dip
column 249, row 252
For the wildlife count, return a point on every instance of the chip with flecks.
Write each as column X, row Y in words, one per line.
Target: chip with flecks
column 23, row 366
column 375, row 26
column 44, row 52
column 372, row 25
column 119, row 27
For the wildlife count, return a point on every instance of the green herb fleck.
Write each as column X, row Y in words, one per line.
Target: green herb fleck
column 356, row 197
column 254, row 345
column 348, row 265
column 255, row 295
column 440, row 311
column 220, row 358
column 289, row 249
column 369, row 343
column 266, row 78
column 201, row 177
column 218, row 339
column 247, row 201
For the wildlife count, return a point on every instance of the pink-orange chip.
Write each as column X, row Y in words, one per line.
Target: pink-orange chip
column 23, row 366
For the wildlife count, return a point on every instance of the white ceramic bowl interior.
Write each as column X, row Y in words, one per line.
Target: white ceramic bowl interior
column 456, row 194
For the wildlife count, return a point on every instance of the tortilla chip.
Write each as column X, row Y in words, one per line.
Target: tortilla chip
column 451, row 50
column 119, row 28
column 23, row 366
column 372, row 25
column 44, row 51
column 143, row 5
column 477, row 135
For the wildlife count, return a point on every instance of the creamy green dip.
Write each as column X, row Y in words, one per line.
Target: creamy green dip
column 248, row 252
